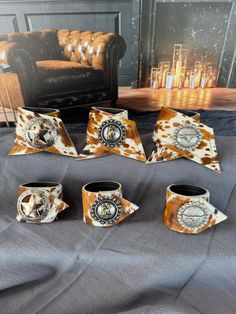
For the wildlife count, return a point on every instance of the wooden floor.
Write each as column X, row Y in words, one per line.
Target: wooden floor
column 145, row 99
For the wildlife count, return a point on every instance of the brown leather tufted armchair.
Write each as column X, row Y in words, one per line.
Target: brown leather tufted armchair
column 64, row 68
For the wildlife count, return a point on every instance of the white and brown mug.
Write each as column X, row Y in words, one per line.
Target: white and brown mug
column 104, row 205
column 39, row 202
column 188, row 209
column 41, row 130
column 110, row 131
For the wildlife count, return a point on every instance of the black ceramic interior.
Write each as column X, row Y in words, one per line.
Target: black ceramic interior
column 111, row 110
column 188, row 113
column 41, row 110
column 40, row 184
column 102, row 186
column 188, row 190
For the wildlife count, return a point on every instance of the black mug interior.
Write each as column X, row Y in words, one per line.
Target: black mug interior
column 41, row 110
column 188, row 113
column 40, row 184
column 188, row 190
column 102, row 186
column 111, row 110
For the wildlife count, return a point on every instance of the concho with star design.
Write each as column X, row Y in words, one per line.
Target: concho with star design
column 33, row 206
column 40, row 133
column 112, row 133
column 106, row 210
column 193, row 215
column 187, row 137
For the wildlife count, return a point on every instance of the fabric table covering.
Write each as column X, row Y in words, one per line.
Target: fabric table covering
column 138, row 266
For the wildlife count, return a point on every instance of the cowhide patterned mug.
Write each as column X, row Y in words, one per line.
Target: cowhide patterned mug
column 39, row 202
column 111, row 132
column 104, row 205
column 188, row 209
column 180, row 133
column 41, row 130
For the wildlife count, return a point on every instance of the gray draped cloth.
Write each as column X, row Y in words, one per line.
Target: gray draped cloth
column 139, row 266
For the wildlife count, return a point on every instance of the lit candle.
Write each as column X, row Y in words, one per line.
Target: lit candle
column 181, row 80
column 203, row 81
column 169, row 80
column 209, row 77
column 155, row 85
column 176, row 74
column 177, row 64
column 186, row 81
column 192, row 83
column 153, row 77
column 164, row 76
column 178, row 71
column 198, row 73
column 165, row 66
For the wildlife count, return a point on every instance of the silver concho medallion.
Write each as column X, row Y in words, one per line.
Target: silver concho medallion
column 187, row 137
column 40, row 133
column 111, row 133
column 33, row 206
column 193, row 215
column 106, row 210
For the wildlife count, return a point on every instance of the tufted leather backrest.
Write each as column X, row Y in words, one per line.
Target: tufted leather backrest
column 85, row 47
column 41, row 45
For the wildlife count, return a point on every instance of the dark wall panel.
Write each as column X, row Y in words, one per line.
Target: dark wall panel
column 8, row 23
column 96, row 21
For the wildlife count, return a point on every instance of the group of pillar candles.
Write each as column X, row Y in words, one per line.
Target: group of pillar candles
column 179, row 76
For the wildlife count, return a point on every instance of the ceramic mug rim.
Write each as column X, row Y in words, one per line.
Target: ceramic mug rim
column 102, row 186
column 40, row 185
column 188, row 190
column 40, row 110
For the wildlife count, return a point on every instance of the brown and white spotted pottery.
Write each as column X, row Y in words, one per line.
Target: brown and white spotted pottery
column 41, row 129
column 111, row 132
column 179, row 133
column 188, row 209
column 104, row 205
column 39, row 202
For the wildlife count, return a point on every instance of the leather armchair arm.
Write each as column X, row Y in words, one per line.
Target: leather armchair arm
column 21, row 62
column 106, row 48
column 109, row 49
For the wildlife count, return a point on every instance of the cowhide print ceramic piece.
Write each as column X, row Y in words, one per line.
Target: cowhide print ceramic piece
column 104, row 205
column 39, row 202
column 161, row 153
column 190, row 214
column 111, row 132
column 40, row 132
column 178, row 135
